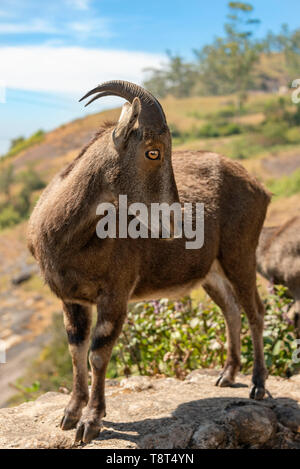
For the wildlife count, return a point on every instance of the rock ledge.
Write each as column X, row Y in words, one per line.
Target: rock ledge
column 166, row 413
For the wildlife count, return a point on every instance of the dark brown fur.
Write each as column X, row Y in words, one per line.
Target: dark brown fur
column 82, row 269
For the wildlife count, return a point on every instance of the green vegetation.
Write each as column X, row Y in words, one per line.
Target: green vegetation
column 169, row 338
column 209, row 130
column 236, row 62
column 276, row 127
column 285, row 186
column 16, row 207
column 9, row 217
column 20, row 143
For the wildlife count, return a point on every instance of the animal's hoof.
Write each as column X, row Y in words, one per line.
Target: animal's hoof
column 257, row 392
column 68, row 422
column 87, row 431
column 224, row 382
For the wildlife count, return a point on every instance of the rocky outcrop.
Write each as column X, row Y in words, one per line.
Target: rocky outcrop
column 166, row 413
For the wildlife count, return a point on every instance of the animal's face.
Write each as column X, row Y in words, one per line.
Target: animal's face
column 144, row 169
column 138, row 149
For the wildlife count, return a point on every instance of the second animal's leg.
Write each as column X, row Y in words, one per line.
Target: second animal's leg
column 111, row 315
column 221, row 291
column 77, row 319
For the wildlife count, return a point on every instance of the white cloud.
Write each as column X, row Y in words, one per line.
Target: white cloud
column 91, row 27
column 35, row 26
column 72, row 70
column 98, row 27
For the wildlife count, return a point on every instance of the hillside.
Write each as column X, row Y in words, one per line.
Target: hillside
column 186, row 117
column 26, row 309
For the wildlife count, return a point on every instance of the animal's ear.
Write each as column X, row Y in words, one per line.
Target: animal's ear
column 127, row 120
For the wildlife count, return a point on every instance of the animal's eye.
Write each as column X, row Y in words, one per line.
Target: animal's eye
column 153, row 154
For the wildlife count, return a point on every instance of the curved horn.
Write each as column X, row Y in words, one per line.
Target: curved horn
column 152, row 114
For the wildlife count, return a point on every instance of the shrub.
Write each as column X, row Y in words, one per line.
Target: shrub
column 286, row 186
column 239, row 150
column 21, row 144
column 17, row 207
column 293, row 135
column 169, row 338
column 22, row 203
column 174, row 338
column 279, row 335
column 9, row 217
column 296, row 116
column 16, row 141
column 219, row 129
column 209, row 130
column 7, row 178
column 227, row 112
column 275, row 132
column 275, row 110
column 31, row 180
column 230, row 129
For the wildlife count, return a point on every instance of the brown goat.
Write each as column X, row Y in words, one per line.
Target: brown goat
column 278, row 260
column 83, row 270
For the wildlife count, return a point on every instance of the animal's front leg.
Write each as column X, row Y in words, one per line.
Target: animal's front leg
column 77, row 319
column 111, row 315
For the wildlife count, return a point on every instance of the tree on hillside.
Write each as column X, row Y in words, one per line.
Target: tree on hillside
column 233, row 63
column 288, row 43
column 227, row 65
column 223, row 67
column 177, row 77
column 16, row 141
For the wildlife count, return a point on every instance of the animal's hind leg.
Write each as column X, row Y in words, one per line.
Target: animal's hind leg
column 221, row 291
column 256, row 320
column 255, row 312
column 77, row 319
column 240, row 268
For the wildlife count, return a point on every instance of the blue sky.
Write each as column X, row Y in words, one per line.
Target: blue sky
column 52, row 52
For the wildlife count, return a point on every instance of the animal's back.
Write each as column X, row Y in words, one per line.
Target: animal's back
column 227, row 190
